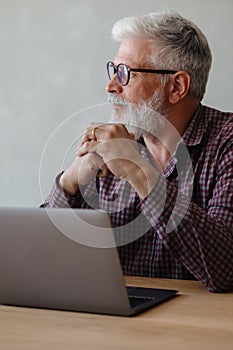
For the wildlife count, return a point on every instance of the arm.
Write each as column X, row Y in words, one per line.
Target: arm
column 203, row 241
column 60, row 199
column 76, row 181
column 121, row 156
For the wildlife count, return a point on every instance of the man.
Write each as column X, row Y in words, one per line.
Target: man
column 176, row 225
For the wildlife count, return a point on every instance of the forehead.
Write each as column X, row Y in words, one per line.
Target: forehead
column 134, row 52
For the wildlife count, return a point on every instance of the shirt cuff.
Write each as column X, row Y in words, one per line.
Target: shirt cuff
column 59, row 199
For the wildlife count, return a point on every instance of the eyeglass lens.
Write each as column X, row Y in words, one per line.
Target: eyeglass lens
column 121, row 70
column 122, row 74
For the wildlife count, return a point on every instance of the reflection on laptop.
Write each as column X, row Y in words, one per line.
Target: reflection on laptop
column 44, row 263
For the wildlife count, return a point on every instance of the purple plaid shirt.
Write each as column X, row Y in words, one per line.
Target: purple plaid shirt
column 200, row 246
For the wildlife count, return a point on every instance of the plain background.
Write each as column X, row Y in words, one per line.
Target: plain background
column 52, row 65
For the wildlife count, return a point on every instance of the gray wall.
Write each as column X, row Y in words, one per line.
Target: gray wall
column 52, row 65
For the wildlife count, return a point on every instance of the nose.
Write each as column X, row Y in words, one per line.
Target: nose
column 114, row 86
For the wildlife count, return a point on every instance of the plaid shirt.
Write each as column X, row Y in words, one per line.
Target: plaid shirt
column 200, row 246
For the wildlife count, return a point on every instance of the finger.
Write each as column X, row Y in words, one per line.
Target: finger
column 86, row 147
column 84, row 139
column 91, row 131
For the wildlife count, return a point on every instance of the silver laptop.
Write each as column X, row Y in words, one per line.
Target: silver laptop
column 66, row 259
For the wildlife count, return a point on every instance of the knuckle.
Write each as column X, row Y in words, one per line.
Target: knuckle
column 115, row 127
column 112, row 131
column 85, row 146
column 110, row 134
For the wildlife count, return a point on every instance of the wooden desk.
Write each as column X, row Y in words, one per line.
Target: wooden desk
column 196, row 319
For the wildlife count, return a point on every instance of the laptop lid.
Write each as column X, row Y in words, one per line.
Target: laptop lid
column 61, row 259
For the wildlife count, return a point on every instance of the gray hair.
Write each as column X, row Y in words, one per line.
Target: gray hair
column 181, row 45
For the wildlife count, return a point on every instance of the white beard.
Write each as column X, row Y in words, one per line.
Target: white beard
column 145, row 118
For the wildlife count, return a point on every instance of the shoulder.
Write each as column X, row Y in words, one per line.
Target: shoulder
column 218, row 134
column 208, row 125
column 217, row 122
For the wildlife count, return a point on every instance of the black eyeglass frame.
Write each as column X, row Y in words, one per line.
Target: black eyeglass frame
column 143, row 70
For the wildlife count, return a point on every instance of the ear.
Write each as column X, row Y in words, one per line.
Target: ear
column 179, row 86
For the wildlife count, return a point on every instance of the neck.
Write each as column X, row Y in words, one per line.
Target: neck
column 182, row 114
column 159, row 152
column 177, row 121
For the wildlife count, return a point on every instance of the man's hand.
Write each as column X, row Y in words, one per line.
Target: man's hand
column 81, row 172
column 119, row 152
column 114, row 144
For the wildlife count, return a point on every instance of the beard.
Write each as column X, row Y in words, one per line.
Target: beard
column 144, row 118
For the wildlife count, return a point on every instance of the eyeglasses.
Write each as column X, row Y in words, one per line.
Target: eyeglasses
column 123, row 72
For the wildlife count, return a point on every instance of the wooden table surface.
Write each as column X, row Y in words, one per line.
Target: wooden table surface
column 195, row 319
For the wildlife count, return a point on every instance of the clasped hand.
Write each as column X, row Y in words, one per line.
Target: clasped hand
column 114, row 145
column 109, row 149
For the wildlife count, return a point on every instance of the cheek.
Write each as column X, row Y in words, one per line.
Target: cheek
column 138, row 93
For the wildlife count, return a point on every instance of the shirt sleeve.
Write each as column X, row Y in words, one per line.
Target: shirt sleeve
column 87, row 197
column 59, row 199
column 201, row 239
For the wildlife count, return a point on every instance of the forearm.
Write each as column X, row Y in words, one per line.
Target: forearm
column 143, row 177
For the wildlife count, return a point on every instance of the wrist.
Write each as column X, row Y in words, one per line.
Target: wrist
column 143, row 178
column 67, row 185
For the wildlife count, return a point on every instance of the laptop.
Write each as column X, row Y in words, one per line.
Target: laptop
column 66, row 259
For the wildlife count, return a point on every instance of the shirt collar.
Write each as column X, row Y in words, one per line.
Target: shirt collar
column 195, row 130
column 191, row 137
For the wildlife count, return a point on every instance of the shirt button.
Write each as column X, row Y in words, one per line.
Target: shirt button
column 146, row 273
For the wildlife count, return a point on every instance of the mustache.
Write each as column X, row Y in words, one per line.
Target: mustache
column 117, row 100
